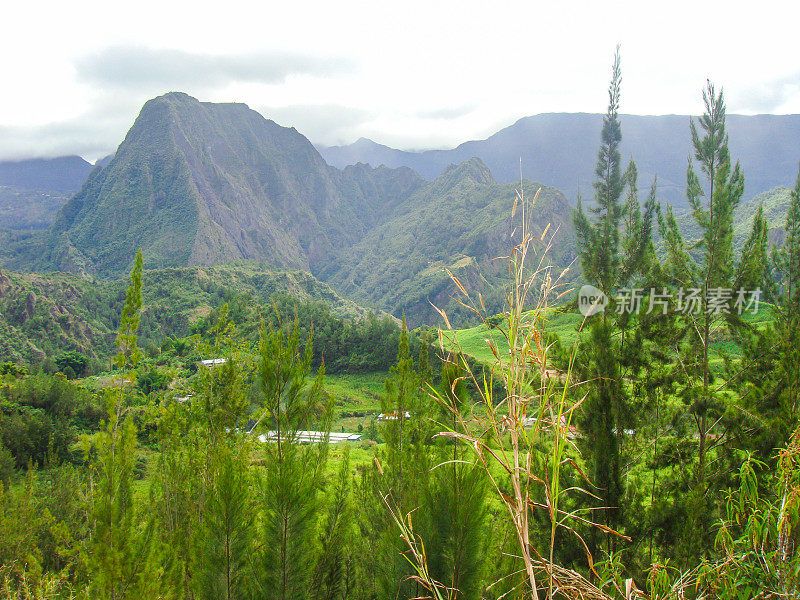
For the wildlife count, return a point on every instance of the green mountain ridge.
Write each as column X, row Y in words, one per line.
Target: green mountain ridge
column 42, row 314
column 775, row 203
column 460, row 221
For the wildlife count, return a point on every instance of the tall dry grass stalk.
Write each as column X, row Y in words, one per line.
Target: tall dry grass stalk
column 524, row 442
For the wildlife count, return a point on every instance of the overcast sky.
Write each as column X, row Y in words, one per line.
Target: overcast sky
column 408, row 74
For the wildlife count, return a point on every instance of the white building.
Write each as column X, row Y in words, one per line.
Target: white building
column 310, row 437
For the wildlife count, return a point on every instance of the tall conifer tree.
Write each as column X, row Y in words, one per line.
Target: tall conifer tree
column 707, row 266
column 119, row 549
column 456, row 497
column 611, row 247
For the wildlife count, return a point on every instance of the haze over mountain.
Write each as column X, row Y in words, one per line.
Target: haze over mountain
column 560, row 150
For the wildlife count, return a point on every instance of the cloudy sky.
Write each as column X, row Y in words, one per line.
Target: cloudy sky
column 408, row 74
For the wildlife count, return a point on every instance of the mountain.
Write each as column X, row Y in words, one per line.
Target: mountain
column 461, row 221
column 203, row 184
column 560, row 149
column 196, row 183
column 32, row 191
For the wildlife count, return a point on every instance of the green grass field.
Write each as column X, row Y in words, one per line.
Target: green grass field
column 473, row 341
column 356, row 391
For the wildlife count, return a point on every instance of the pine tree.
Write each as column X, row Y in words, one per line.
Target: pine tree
column 223, row 541
column 179, row 481
column 456, row 498
column 639, row 261
column 713, row 269
column 611, row 248
column 291, row 480
column 753, row 264
column 129, row 353
column 398, row 405
column 598, row 242
column 119, row 557
column 770, row 385
column 789, row 320
column 790, row 265
column 203, row 486
column 405, row 463
column 705, row 270
column 330, row 579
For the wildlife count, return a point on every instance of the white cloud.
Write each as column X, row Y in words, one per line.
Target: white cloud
column 416, row 74
column 137, row 67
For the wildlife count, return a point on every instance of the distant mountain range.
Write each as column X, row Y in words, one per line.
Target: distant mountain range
column 560, row 150
column 202, row 184
column 64, row 175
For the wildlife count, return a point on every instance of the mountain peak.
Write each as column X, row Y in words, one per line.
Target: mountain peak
column 473, row 170
column 365, row 144
column 173, row 98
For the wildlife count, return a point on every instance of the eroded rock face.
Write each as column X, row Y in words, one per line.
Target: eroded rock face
column 5, row 284
column 30, row 305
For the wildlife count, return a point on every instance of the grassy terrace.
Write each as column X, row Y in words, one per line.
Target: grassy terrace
column 566, row 325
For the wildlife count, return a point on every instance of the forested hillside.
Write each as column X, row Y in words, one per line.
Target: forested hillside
column 461, row 221
column 45, row 315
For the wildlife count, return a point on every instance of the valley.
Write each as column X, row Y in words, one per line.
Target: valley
column 186, row 325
